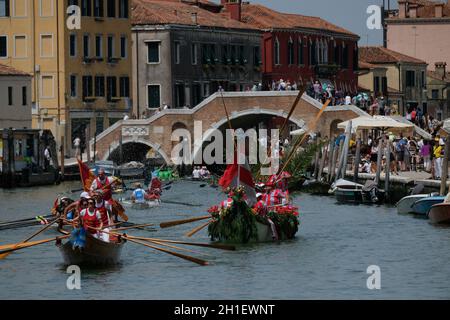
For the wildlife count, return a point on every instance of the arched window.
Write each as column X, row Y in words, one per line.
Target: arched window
column 276, row 55
column 318, row 60
column 325, row 51
column 300, row 57
column 290, row 51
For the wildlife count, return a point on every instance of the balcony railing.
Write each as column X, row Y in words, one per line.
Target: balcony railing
column 327, row 69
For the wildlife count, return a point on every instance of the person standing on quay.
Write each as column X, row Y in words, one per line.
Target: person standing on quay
column 437, row 154
column 77, row 146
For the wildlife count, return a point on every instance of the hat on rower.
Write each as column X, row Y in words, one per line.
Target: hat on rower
column 85, row 195
column 258, row 195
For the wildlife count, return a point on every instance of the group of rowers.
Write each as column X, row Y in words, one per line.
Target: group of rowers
column 96, row 212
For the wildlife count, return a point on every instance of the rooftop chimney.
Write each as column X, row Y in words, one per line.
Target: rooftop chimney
column 402, row 9
column 413, row 10
column 194, row 17
column 440, row 68
column 233, row 7
column 438, row 10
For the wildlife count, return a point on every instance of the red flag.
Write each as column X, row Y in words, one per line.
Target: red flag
column 231, row 172
column 239, row 175
column 87, row 177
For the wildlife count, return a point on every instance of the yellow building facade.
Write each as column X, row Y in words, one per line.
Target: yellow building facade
column 79, row 54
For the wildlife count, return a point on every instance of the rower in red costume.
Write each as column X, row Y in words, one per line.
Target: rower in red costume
column 100, row 205
column 277, row 192
column 261, row 209
column 104, row 184
column 154, row 189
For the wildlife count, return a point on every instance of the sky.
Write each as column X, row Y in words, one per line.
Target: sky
column 349, row 14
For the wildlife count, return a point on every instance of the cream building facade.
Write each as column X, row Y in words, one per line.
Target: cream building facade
column 81, row 77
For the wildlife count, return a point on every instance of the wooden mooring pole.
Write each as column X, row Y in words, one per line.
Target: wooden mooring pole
column 322, row 163
column 331, row 151
column 379, row 156
column 357, row 160
column 387, row 170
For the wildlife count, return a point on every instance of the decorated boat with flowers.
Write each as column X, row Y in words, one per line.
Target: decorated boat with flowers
column 237, row 222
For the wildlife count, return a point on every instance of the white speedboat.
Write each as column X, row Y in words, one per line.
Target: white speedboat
column 405, row 205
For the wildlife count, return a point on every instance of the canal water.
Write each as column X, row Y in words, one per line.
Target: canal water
column 328, row 259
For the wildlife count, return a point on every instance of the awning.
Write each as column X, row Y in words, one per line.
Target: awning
column 375, row 122
column 298, row 132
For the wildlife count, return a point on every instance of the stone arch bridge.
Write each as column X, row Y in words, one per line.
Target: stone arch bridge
column 156, row 131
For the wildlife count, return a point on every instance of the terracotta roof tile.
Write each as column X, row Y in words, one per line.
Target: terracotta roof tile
column 176, row 12
column 426, row 9
column 265, row 18
column 365, row 65
column 254, row 16
column 10, row 71
column 378, row 55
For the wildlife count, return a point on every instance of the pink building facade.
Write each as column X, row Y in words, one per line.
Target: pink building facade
column 420, row 29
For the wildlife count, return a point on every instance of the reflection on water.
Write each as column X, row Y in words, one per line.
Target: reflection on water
column 328, row 259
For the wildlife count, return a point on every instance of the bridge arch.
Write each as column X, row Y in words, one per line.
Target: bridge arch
column 254, row 112
column 138, row 140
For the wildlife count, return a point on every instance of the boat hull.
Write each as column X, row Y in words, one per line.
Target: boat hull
column 357, row 196
column 439, row 213
column 421, row 207
column 141, row 205
column 95, row 253
column 404, row 206
column 348, row 195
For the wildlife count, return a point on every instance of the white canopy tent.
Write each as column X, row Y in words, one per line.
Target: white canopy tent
column 298, row 132
column 376, row 122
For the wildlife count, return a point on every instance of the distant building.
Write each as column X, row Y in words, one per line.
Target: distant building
column 300, row 48
column 185, row 50
column 420, row 29
column 15, row 98
column 405, row 77
column 438, row 86
column 81, row 77
column 372, row 79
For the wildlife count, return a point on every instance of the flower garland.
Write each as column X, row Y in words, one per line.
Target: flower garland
column 236, row 222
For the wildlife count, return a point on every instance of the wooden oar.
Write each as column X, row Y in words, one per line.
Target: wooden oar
column 183, row 221
column 195, row 230
column 197, row 244
column 181, row 203
column 176, row 248
column 134, row 227
column 16, row 246
column 176, row 254
column 23, row 220
column 3, row 256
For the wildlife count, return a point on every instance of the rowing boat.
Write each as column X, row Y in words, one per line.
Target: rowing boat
column 439, row 213
column 95, row 253
column 141, row 205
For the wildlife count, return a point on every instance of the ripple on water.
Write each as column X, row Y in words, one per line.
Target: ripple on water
column 328, row 259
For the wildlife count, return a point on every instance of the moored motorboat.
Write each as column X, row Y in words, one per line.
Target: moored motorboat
column 439, row 213
column 95, row 253
column 422, row 206
column 404, row 206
